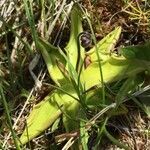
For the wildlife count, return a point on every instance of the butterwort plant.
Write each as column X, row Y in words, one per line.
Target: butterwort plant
column 79, row 76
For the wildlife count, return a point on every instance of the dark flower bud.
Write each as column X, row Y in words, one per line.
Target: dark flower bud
column 85, row 39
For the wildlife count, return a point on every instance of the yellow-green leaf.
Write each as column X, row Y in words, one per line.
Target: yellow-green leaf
column 52, row 57
column 113, row 69
column 72, row 48
column 105, row 46
column 46, row 112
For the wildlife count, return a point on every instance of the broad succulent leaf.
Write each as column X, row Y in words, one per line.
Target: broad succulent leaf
column 113, row 69
column 41, row 117
column 47, row 111
column 72, row 48
column 52, row 56
column 105, row 46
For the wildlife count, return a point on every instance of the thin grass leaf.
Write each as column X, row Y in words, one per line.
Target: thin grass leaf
column 26, row 44
column 14, row 136
column 43, row 19
column 29, row 13
column 10, row 66
column 100, row 133
column 115, row 141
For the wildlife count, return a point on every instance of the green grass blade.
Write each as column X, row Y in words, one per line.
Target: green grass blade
column 100, row 133
column 15, row 138
column 115, row 141
column 26, row 44
column 10, row 66
column 29, row 13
